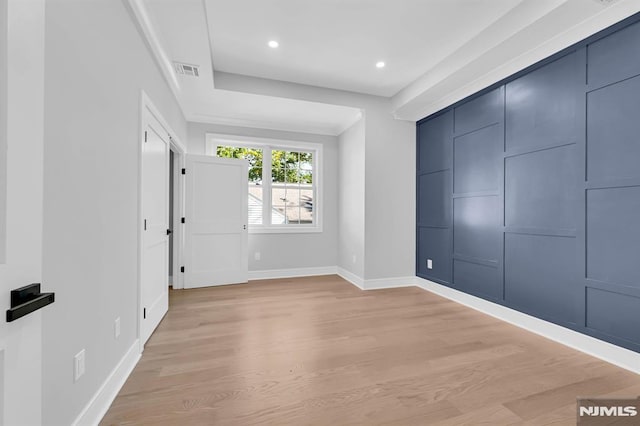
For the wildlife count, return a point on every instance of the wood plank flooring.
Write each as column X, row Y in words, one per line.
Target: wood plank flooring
column 319, row 351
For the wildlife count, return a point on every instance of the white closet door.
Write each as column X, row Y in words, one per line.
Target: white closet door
column 155, row 241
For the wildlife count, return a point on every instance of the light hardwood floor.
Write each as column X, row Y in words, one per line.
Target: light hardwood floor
column 319, row 351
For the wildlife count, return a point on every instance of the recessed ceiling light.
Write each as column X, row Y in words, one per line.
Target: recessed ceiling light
column 380, row 64
column 273, row 44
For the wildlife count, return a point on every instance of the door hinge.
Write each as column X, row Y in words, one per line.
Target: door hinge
column 145, row 135
column 144, row 313
column 145, row 224
column 182, row 220
column 184, row 171
column 182, row 269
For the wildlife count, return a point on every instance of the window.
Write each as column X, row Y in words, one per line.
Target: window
column 283, row 179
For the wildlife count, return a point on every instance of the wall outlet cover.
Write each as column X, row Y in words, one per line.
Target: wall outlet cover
column 116, row 328
column 78, row 365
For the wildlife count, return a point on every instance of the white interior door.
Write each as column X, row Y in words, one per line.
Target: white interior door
column 154, row 269
column 215, row 221
column 21, row 211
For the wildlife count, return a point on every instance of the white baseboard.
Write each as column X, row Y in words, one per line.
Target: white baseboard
column 351, row 277
column 375, row 283
column 380, row 283
column 625, row 358
column 95, row 410
column 269, row 274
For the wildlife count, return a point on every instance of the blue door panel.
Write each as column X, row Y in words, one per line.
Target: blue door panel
column 434, row 207
column 542, row 107
column 541, row 275
column 541, row 189
column 614, row 314
column 480, row 112
column 475, row 224
column 476, row 160
column 434, row 148
column 613, row 131
column 615, row 57
column 613, row 235
column 477, row 279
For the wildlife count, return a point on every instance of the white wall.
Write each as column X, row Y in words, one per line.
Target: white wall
column 389, row 244
column 96, row 64
column 390, row 193
column 288, row 251
column 351, row 199
column 3, row 125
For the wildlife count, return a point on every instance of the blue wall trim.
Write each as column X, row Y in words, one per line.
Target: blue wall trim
column 528, row 191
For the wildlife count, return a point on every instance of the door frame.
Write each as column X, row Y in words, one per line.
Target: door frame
column 179, row 163
column 179, row 149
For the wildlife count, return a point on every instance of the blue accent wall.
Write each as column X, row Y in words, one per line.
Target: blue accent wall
column 528, row 193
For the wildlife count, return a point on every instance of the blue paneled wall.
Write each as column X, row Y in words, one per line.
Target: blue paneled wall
column 528, row 193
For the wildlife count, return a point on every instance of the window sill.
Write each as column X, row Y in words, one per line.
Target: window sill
column 286, row 230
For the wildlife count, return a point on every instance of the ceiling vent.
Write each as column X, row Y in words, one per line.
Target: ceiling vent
column 187, row 69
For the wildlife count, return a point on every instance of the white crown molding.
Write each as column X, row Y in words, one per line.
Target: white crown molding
column 264, row 124
column 439, row 88
column 347, row 124
column 143, row 21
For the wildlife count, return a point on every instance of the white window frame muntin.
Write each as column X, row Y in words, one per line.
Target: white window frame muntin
column 213, row 140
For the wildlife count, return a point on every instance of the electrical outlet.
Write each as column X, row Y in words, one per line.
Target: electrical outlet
column 116, row 328
column 78, row 366
column 257, row 255
column 429, row 264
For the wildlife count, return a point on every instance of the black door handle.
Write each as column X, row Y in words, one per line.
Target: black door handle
column 27, row 299
column 169, row 231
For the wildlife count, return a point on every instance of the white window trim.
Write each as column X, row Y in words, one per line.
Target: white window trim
column 212, row 140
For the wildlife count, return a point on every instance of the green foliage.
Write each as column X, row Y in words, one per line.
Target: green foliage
column 291, row 167
column 253, row 156
column 286, row 166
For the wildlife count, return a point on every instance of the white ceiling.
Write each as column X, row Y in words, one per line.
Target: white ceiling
column 436, row 51
column 336, row 43
column 177, row 32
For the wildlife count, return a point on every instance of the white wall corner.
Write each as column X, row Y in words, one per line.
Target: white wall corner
column 97, row 407
column 624, row 358
column 270, row 274
column 351, row 277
